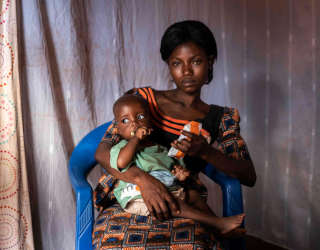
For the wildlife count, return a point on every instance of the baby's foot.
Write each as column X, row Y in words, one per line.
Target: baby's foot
column 227, row 224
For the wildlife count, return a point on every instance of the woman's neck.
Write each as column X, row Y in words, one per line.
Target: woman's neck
column 187, row 100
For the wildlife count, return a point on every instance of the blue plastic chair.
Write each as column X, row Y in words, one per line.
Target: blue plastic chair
column 82, row 161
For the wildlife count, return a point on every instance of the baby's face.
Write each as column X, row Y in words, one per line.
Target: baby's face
column 130, row 117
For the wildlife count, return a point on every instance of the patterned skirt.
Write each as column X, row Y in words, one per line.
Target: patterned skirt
column 116, row 229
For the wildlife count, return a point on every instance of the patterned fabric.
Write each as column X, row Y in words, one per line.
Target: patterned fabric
column 115, row 228
column 103, row 196
column 15, row 213
column 229, row 140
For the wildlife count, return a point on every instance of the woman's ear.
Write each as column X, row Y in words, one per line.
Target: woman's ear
column 211, row 61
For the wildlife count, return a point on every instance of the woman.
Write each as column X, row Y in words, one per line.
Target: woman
column 189, row 49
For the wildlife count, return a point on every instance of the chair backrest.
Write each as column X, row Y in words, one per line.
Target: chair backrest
column 81, row 162
column 82, row 158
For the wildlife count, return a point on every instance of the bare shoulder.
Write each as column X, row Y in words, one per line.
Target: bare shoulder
column 162, row 96
column 171, row 105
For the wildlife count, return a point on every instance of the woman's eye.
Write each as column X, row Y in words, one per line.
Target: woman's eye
column 174, row 64
column 140, row 116
column 196, row 62
column 125, row 120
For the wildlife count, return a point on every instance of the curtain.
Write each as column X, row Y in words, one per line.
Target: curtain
column 77, row 57
column 15, row 214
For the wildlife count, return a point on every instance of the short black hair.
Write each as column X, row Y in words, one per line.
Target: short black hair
column 129, row 98
column 189, row 31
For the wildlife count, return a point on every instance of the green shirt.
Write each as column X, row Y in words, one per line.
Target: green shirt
column 149, row 159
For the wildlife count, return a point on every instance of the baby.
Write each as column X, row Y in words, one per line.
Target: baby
column 133, row 124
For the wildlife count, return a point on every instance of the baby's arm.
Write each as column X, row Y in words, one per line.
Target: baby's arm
column 128, row 151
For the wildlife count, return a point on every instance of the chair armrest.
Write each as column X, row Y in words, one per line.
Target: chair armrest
column 84, row 216
column 81, row 162
column 231, row 191
column 84, row 219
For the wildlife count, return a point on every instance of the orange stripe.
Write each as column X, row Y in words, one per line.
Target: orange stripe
column 142, row 93
column 172, row 131
column 150, row 94
column 161, row 121
column 163, row 124
column 167, row 117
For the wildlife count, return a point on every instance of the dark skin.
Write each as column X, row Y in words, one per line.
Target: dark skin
column 188, row 65
column 133, row 124
column 158, row 200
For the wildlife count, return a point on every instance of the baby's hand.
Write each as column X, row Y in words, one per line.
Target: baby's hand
column 180, row 172
column 142, row 132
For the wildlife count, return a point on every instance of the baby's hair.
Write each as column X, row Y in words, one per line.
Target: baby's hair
column 127, row 99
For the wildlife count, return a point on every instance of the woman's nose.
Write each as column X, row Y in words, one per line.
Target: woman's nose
column 187, row 69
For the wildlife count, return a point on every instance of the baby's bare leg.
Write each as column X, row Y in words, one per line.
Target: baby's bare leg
column 194, row 199
column 196, row 208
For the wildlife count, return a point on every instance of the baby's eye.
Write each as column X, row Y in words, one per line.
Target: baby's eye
column 140, row 116
column 125, row 120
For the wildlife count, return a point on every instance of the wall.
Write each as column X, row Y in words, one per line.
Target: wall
column 79, row 56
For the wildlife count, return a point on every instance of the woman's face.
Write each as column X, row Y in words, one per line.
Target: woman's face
column 188, row 66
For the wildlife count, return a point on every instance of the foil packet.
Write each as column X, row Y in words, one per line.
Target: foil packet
column 194, row 128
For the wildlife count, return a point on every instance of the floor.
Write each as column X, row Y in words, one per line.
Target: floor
column 253, row 243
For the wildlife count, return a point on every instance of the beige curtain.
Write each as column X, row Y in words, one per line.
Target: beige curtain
column 78, row 56
column 15, row 215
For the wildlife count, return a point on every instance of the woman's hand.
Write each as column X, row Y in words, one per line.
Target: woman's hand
column 196, row 145
column 193, row 145
column 157, row 198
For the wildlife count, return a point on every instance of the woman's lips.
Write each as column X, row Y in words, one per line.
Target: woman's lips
column 188, row 82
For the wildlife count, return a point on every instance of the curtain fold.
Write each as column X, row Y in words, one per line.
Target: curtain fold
column 77, row 57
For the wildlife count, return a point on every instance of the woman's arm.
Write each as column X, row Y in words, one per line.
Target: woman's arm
column 241, row 169
column 231, row 157
column 196, row 145
column 156, row 196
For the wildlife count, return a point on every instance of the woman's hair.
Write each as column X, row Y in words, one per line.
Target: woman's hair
column 189, row 31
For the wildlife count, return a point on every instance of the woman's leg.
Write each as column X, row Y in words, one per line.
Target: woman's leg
column 113, row 227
